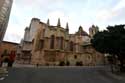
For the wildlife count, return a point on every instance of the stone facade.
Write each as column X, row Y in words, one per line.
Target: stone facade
column 45, row 44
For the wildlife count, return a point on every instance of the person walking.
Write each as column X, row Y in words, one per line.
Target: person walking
column 1, row 61
column 37, row 65
column 12, row 56
column 4, row 57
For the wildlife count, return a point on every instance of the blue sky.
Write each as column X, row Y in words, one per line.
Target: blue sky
column 76, row 12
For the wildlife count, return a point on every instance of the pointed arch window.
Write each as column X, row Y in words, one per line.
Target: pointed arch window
column 52, row 40
column 71, row 46
column 61, row 42
column 41, row 44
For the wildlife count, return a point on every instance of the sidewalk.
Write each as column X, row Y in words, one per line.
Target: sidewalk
column 18, row 65
column 23, row 65
column 116, row 75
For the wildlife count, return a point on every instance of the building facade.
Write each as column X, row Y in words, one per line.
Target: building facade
column 5, row 8
column 8, row 46
column 45, row 44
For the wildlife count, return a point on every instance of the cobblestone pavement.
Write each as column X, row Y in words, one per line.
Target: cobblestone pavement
column 60, row 75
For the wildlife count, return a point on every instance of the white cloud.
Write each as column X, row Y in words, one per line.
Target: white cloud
column 17, row 23
column 108, row 14
column 24, row 10
column 21, row 14
column 13, row 37
column 14, row 33
column 54, row 15
column 105, row 15
column 120, row 5
column 64, row 18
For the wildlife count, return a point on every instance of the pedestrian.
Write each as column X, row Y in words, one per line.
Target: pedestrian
column 1, row 61
column 3, row 57
column 12, row 56
column 37, row 65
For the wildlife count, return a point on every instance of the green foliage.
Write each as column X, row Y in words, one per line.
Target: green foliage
column 111, row 41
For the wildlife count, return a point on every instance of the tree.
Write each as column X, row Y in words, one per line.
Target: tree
column 111, row 41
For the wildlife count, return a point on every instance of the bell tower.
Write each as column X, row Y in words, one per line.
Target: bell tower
column 93, row 30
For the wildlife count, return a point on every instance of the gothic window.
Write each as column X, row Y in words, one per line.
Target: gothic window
column 52, row 42
column 71, row 46
column 43, row 32
column 67, row 46
column 57, row 44
column 75, row 56
column 61, row 42
column 41, row 44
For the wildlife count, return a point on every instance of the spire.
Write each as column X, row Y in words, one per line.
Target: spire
column 58, row 23
column 67, row 26
column 48, row 22
column 80, row 28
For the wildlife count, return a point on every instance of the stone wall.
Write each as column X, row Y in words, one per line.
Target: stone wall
column 54, row 57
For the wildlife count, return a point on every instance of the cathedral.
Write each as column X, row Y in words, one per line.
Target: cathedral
column 45, row 44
